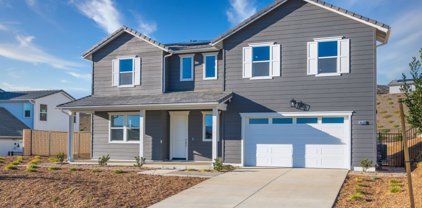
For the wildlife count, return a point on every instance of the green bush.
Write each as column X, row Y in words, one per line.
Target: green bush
column 53, row 168
column 218, row 165
column 357, row 196
column 19, row 158
column 118, row 171
column 60, row 157
column 360, row 191
column 390, row 121
column 10, row 166
column 53, row 160
column 395, row 189
column 395, row 181
column 387, row 116
column 366, row 164
column 140, row 161
column 35, row 161
column 31, row 168
column 16, row 162
column 73, row 169
column 361, row 185
column 31, row 165
column 102, row 161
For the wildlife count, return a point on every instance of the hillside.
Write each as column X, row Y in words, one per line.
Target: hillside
column 388, row 112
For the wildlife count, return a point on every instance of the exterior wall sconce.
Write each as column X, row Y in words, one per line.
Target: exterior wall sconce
column 299, row 105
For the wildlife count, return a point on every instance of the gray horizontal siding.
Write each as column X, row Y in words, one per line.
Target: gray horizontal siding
column 127, row 45
column 293, row 25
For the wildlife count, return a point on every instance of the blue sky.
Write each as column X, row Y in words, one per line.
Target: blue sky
column 41, row 40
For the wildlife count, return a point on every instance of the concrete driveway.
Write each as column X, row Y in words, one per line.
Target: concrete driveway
column 257, row 187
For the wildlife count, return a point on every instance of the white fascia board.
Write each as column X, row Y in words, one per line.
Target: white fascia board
column 179, row 106
column 298, row 114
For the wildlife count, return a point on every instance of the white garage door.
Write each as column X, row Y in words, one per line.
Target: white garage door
column 312, row 142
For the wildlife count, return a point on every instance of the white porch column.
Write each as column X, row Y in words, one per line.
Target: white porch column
column 141, row 132
column 215, row 132
column 70, row 138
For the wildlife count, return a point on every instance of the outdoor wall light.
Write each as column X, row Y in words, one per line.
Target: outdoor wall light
column 299, row 105
column 293, row 103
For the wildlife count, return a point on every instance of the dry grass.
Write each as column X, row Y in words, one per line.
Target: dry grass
column 388, row 116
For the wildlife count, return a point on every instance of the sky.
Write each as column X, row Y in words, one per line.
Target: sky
column 41, row 41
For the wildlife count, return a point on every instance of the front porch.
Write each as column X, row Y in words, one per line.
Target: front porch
column 175, row 132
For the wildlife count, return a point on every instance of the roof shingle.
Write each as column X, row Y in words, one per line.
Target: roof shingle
column 10, row 125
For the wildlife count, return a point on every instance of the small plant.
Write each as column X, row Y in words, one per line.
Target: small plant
column 53, row 168
column 35, row 161
column 391, row 103
column 205, row 170
column 60, row 157
column 360, row 191
column 361, row 185
column 19, row 158
column 390, row 121
column 73, row 169
column 31, row 168
column 359, row 179
column 395, row 189
column 218, row 165
column 357, row 196
column 385, row 130
column 366, row 164
column 10, row 166
column 387, row 116
column 37, row 157
column 118, row 171
column 53, row 160
column 228, row 168
column 140, row 161
column 102, row 161
column 191, row 170
column 31, row 165
column 16, row 162
column 395, row 181
column 96, row 170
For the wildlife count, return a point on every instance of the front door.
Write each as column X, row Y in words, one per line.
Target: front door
column 179, row 135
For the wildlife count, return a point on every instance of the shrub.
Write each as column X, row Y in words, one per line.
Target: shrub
column 140, row 161
column 395, row 189
column 118, row 171
column 60, row 157
column 37, row 157
column 394, row 181
column 391, row 103
column 383, row 112
column 361, row 185
column 396, row 126
column 360, row 191
column 34, row 161
column 53, row 160
column 31, row 165
column 387, row 116
column 96, row 170
column 53, row 168
column 228, row 168
column 385, row 130
column 19, row 158
column 390, row 121
column 357, row 196
column 102, row 161
column 218, row 165
column 10, row 166
column 359, row 179
column 16, row 162
column 31, row 168
column 73, row 169
column 366, row 164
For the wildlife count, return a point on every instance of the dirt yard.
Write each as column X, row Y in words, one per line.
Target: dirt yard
column 68, row 187
column 367, row 191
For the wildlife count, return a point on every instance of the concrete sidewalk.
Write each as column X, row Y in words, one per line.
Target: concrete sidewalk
column 253, row 187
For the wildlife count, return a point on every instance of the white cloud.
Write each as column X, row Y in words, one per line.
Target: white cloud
column 147, row 28
column 103, row 12
column 240, row 10
column 12, row 87
column 86, row 77
column 65, row 81
column 3, row 27
column 24, row 50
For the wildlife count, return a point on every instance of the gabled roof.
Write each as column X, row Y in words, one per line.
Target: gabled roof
column 400, row 82
column 10, row 125
column 191, row 47
column 87, row 54
column 29, row 95
column 383, row 30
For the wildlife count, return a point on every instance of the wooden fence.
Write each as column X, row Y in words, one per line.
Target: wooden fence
column 390, row 148
column 50, row 143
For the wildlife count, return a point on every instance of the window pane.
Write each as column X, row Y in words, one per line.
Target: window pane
column 126, row 78
column 208, row 126
column 333, row 120
column 27, row 113
column 282, row 120
column 116, row 135
column 307, row 120
column 328, row 48
column 117, row 121
column 126, row 65
column 327, row 65
column 187, row 68
column 43, row 112
column 133, row 135
column 261, row 53
column 261, row 69
column 258, row 121
column 210, row 66
column 133, row 121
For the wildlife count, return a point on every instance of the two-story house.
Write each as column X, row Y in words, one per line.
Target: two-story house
column 30, row 110
column 292, row 86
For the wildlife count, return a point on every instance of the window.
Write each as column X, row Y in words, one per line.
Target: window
column 210, row 66
column 186, row 68
column 27, row 107
column 124, row 127
column 327, row 57
column 261, row 61
column 258, row 121
column 332, row 120
column 126, row 72
column 43, row 112
column 207, row 127
column 282, row 120
column 306, row 120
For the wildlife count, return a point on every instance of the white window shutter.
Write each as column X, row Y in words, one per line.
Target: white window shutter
column 312, row 61
column 344, row 56
column 137, row 74
column 247, row 62
column 115, row 72
column 276, row 67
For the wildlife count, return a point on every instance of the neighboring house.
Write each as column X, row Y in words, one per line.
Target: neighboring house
column 38, row 109
column 292, row 86
column 395, row 85
column 10, row 133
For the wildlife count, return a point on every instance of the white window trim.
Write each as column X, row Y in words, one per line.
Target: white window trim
column 133, row 71
column 204, row 113
column 329, row 39
column 30, row 110
column 269, row 44
column 124, row 114
column 191, row 68
column 205, row 55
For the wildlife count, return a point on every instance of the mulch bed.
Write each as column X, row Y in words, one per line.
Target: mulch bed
column 85, row 188
column 377, row 191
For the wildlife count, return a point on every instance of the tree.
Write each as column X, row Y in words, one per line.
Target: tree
column 413, row 98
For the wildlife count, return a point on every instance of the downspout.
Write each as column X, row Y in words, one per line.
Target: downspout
column 163, row 90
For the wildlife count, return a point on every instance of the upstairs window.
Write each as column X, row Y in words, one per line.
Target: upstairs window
column 43, row 112
column 126, row 71
column 186, row 68
column 27, row 108
column 210, row 66
column 327, row 57
column 261, row 61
